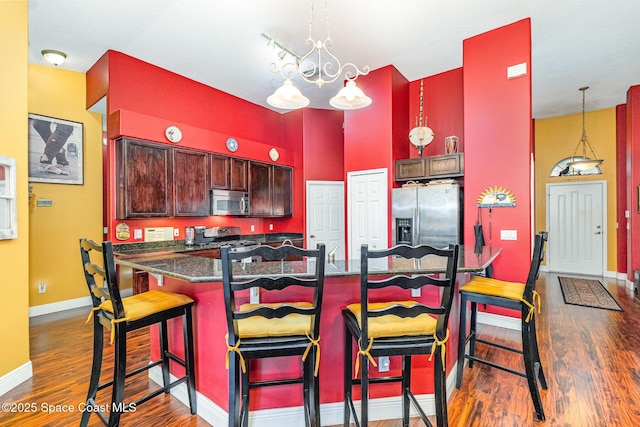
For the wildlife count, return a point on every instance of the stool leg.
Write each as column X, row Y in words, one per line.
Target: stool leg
column 364, row 385
column 536, row 352
column 462, row 339
column 406, row 387
column 164, row 350
column 234, row 390
column 96, row 367
column 529, row 365
column 473, row 331
column 119, row 372
column 190, row 368
column 440, row 389
column 244, row 411
column 348, row 372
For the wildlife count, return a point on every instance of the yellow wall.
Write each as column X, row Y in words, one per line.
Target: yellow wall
column 14, row 253
column 77, row 209
column 556, row 138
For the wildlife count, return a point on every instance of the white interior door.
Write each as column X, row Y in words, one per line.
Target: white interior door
column 325, row 216
column 576, row 215
column 368, row 204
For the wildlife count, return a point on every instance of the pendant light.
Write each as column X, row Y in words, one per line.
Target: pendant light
column 583, row 163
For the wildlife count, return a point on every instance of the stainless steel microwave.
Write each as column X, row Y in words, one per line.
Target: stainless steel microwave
column 225, row 202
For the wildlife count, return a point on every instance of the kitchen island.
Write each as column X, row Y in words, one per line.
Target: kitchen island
column 200, row 277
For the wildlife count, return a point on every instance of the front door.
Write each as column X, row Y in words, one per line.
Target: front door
column 577, row 227
column 368, row 204
column 325, row 216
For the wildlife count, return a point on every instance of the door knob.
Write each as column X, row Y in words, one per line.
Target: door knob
column 598, row 232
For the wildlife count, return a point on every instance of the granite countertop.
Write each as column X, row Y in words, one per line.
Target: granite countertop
column 178, row 246
column 197, row 269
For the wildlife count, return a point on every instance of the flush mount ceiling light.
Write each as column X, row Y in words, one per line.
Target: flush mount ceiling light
column 317, row 67
column 582, row 162
column 54, row 57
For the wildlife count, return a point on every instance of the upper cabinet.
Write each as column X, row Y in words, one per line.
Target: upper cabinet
column 270, row 190
column 157, row 180
column 432, row 167
column 191, row 183
column 144, row 174
column 228, row 173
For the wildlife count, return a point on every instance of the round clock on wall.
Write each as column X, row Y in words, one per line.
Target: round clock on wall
column 232, row 145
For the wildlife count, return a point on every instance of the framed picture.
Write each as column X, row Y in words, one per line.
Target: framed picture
column 55, row 150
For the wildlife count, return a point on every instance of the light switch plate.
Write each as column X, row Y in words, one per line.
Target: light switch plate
column 508, row 234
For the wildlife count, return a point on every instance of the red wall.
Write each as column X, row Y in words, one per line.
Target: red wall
column 323, row 144
column 142, row 100
column 621, row 188
column 443, row 103
column 497, row 146
column 633, row 177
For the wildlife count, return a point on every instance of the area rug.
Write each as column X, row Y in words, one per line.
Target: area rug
column 588, row 293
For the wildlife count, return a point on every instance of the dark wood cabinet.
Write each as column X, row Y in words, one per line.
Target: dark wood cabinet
column 282, row 194
column 238, row 178
column 260, row 189
column 191, row 183
column 432, row 167
column 220, row 171
column 228, row 173
column 270, row 190
column 144, row 174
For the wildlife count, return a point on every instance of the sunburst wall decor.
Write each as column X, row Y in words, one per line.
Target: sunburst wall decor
column 496, row 197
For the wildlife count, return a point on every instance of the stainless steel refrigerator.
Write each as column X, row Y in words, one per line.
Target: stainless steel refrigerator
column 429, row 214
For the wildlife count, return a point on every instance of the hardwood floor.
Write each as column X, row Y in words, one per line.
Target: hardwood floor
column 591, row 359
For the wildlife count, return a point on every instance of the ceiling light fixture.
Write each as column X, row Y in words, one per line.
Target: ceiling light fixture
column 54, row 57
column 350, row 97
column 583, row 163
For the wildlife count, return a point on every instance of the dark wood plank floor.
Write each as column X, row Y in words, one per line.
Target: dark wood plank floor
column 591, row 358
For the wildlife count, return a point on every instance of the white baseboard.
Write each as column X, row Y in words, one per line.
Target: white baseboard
column 54, row 307
column 15, row 378
column 499, row 320
column 331, row 413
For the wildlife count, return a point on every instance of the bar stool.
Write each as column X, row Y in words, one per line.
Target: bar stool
column 121, row 316
column 517, row 296
column 399, row 328
column 289, row 328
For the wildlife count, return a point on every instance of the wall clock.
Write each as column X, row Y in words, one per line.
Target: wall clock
column 232, row 145
column 173, row 134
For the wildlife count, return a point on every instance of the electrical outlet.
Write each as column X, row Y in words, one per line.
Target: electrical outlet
column 383, row 364
column 254, row 295
column 42, row 288
column 176, row 232
column 271, row 227
column 253, row 228
column 137, row 233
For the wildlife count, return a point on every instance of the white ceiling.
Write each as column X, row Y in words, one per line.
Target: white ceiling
column 575, row 43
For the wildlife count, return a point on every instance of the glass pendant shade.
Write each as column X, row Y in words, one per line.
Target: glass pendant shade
column 350, row 97
column 288, row 97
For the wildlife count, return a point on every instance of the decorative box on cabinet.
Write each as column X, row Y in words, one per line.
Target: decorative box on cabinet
column 446, row 166
column 144, row 175
column 432, row 167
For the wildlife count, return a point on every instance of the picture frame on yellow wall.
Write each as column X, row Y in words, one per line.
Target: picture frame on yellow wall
column 55, row 150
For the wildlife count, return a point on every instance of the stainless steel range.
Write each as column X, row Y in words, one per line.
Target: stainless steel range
column 226, row 236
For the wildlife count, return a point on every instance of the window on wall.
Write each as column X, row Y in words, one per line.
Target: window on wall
column 8, row 209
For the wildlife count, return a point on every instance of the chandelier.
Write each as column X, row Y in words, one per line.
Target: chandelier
column 583, row 163
column 318, row 66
